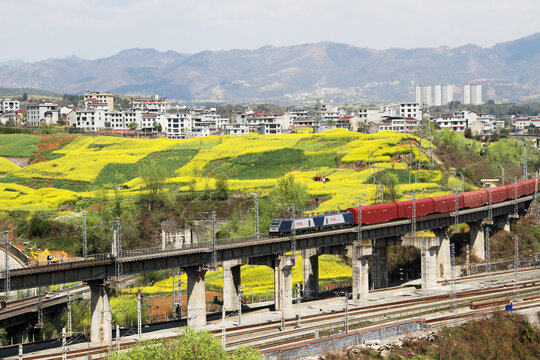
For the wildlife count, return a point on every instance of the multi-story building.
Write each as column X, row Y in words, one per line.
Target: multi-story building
column 472, row 94
column 423, row 95
column 235, row 129
column 88, row 120
column 152, row 104
column 100, row 98
column 443, row 94
column 45, row 113
column 7, row 105
column 457, row 121
column 177, row 126
column 256, row 119
column 404, row 110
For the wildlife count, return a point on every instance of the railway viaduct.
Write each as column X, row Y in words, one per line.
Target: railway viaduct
column 278, row 253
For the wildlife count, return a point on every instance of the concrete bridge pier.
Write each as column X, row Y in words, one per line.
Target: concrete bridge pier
column 283, row 265
column 380, row 264
column 196, row 297
column 503, row 223
column 429, row 263
column 100, row 312
column 477, row 242
column 360, row 278
column 310, row 272
column 231, row 284
column 443, row 254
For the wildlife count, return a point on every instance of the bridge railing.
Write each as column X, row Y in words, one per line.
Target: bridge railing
column 191, row 246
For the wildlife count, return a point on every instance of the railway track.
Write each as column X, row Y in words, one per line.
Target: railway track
column 270, row 335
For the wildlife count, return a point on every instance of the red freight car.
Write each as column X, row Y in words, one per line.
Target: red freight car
column 528, row 186
column 475, row 198
column 514, row 189
column 499, row 194
column 447, row 203
column 423, row 207
column 374, row 214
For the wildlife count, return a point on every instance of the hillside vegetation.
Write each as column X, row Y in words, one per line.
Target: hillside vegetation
column 87, row 167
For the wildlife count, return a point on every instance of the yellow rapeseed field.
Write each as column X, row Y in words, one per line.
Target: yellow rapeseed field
column 84, row 158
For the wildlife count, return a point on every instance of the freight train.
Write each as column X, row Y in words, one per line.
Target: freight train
column 381, row 213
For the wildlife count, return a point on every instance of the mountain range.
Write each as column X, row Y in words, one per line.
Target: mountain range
column 340, row 72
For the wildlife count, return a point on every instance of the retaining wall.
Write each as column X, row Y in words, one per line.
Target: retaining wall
column 338, row 342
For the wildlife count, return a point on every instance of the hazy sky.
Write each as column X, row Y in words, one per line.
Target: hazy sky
column 35, row 30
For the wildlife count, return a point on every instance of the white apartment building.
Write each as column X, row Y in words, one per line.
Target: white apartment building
column 152, row 104
column 235, row 129
column 46, row 113
column 404, row 110
column 472, row 94
column 7, row 105
column 88, row 120
column 423, row 95
column 177, row 126
column 98, row 97
column 457, row 121
column 443, row 94
column 255, row 119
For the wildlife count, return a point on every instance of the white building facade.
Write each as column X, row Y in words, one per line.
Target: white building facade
column 472, row 94
column 46, row 113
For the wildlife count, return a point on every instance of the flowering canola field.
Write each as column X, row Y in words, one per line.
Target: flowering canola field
column 348, row 159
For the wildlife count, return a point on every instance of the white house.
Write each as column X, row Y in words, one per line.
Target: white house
column 45, row 113
column 7, row 105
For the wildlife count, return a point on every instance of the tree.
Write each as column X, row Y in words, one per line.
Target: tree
column 157, row 126
column 468, row 133
column 191, row 345
column 132, row 125
column 222, row 188
column 154, row 177
column 24, row 96
column 390, row 183
column 287, row 191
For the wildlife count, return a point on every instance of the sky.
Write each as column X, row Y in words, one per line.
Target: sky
column 34, row 30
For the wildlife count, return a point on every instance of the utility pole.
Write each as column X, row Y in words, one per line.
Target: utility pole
column 117, row 337
column 424, row 265
column 7, row 281
column 40, row 311
column 240, row 307
column 214, row 253
column 118, row 241
column 516, row 212
column 298, row 308
column 468, row 260
column 490, row 206
column 139, row 315
column 525, row 174
column 488, row 256
column 64, row 344
column 69, row 323
column 456, row 211
column 413, row 219
column 516, row 268
column 453, row 295
column 85, row 243
column 293, row 230
column 356, row 274
column 502, row 173
column 282, row 310
column 346, row 313
column 256, row 215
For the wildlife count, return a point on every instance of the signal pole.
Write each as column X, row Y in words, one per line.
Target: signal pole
column 85, row 243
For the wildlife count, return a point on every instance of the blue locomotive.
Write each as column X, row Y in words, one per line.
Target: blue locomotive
column 302, row 225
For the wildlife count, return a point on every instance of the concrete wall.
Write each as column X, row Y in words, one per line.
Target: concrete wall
column 314, row 347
